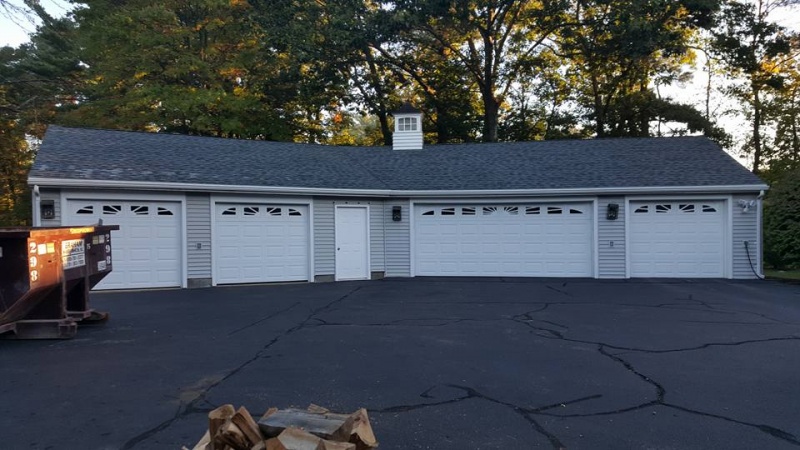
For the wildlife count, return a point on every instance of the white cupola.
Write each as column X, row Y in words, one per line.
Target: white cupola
column 407, row 128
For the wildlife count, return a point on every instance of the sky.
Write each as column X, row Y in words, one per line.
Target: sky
column 15, row 28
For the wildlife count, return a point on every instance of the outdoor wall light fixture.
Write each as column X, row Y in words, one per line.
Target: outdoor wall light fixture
column 47, row 208
column 612, row 211
column 746, row 205
column 396, row 213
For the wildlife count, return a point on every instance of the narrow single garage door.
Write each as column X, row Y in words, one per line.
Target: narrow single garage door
column 526, row 239
column 677, row 239
column 147, row 247
column 256, row 243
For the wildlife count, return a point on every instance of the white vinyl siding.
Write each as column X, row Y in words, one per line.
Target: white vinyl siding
column 745, row 228
column 324, row 244
column 611, row 239
column 198, row 232
column 398, row 239
column 377, row 255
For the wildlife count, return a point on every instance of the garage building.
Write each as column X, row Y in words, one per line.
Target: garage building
column 197, row 211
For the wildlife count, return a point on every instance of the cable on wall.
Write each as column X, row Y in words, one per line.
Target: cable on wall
column 749, row 259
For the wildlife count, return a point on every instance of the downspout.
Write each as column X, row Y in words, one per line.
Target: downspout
column 760, row 233
column 36, row 202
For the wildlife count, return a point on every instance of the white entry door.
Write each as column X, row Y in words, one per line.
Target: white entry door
column 147, row 247
column 677, row 239
column 523, row 239
column 352, row 243
column 258, row 243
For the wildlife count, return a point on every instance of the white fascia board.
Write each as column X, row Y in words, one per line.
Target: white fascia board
column 197, row 187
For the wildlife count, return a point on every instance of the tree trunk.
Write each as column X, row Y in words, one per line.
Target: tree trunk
column 383, row 115
column 490, row 117
column 795, row 136
column 491, row 106
column 756, row 130
column 599, row 115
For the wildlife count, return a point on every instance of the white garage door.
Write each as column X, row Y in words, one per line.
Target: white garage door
column 504, row 240
column 256, row 243
column 677, row 239
column 147, row 247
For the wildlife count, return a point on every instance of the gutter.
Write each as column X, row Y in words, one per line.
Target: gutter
column 243, row 189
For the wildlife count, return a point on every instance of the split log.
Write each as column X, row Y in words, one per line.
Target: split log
column 230, row 434
column 361, row 432
column 319, row 421
column 216, row 420
column 245, row 422
column 322, row 425
column 296, row 439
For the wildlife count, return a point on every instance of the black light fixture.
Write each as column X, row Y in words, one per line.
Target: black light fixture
column 47, row 208
column 612, row 211
column 396, row 213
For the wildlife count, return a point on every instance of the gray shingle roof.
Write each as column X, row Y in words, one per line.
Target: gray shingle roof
column 92, row 154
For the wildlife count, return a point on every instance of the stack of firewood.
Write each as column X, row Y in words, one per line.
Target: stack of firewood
column 314, row 428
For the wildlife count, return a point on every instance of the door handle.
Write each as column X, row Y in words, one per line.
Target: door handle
column 337, row 249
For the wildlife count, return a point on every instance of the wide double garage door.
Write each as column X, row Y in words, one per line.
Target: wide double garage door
column 520, row 239
column 260, row 242
column 147, row 247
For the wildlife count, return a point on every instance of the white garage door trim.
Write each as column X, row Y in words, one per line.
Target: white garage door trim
column 68, row 195
column 589, row 202
column 307, row 202
column 727, row 243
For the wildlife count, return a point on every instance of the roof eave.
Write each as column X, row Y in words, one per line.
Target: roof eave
column 284, row 190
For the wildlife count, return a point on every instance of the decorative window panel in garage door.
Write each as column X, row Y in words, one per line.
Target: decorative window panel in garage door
column 677, row 239
column 526, row 239
column 147, row 247
column 255, row 243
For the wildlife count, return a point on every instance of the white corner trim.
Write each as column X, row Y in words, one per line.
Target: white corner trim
column 288, row 190
column 627, row 238
column 596, row 239
column 731, row 247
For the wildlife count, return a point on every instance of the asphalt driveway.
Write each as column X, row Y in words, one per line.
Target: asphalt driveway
column 439, row 364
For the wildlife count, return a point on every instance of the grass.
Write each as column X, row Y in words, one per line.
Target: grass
column 783, row 274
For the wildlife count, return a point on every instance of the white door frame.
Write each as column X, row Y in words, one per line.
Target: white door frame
column 135, row 196
column 593, row 201
column 368, row 275
column 727, row 238
column 260, row 200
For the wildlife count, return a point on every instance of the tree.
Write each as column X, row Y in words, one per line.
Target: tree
column 755, row 50
column 34, row 79
column 785, row 109
column 193, row 67
column 619, row 49
column 494, row 42
column 782, row 222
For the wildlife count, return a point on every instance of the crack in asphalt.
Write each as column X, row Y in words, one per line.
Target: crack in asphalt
column 473, row 394
column 263, row 319
column 527, row 319
column 659, row 389
column 188, row 408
